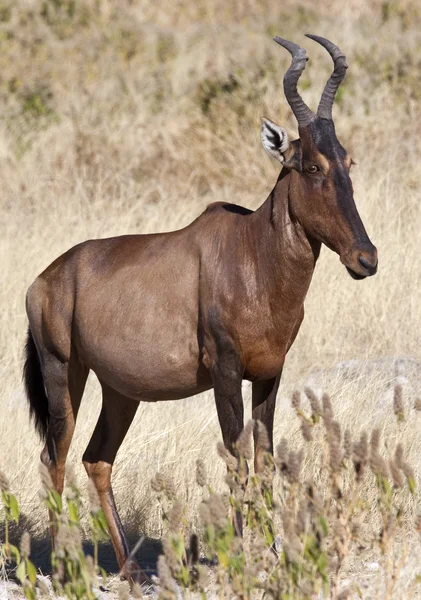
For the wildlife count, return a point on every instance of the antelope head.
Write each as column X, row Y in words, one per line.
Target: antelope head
column 321, row 196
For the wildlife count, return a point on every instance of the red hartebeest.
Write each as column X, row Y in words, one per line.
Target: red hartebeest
column 166, row 316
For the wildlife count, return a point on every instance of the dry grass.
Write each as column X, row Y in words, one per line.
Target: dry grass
column 133, row 119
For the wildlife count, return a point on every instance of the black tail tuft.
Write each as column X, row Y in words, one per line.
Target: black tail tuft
column 35, row 391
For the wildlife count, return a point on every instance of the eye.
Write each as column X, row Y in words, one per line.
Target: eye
column 312, row 169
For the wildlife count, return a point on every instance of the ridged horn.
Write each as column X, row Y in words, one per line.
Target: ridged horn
column 301, row 111
column 324, row 109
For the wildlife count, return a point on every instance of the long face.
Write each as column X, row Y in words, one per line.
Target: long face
column 322, row 198
column 321, row 194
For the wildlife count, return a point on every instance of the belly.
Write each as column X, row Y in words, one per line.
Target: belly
column 143, row 344
column 152, row 373
column 152, row 362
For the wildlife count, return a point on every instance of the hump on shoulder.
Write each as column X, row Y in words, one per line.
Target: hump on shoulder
column 227, row 207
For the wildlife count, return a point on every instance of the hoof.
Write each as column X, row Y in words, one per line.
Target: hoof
column 134, row 574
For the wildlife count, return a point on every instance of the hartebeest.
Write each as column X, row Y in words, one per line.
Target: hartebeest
column 166, row 316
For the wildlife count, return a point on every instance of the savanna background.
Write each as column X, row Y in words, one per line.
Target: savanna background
column 132, row 116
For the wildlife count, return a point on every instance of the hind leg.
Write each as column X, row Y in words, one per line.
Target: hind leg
column 64, row 383
column 114, row 421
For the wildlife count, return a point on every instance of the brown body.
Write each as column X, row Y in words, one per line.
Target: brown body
column 166, row 316
column 230, row 271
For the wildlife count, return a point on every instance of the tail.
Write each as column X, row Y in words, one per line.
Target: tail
column 34, row 384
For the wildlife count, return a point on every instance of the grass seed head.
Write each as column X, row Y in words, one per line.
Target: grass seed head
column 293, row 472
column 306, row 430
column 158, row 482
column 396, row 474
column 296, row 400
column 335, row 452
column 375, row 439
column 244, row 442
column 231, row 481
column 301, row 521
column 205, row 514
column 282, row 451
column 226, row 501
column 262, row 435
column 46, row 480
column 398, row 405
column 170, row 556
column 347, row 444
column 314, row 402
column 227, row 457
column 63, row 541
column 202, row 576
column 4, row 483
column 71, row 476
column 408, row 471
column 162, row 483
column 137, row 591
column 43, row 588
column 201, row 475
column 327, row 410
column 25, row 544
column 166, row 582
column 399, row 456
column 288, row 524
column 176, row 517
column 170, row 489
column 218, row 512
column 93, row 496
column 361, row 455
column 378, row 465
column 336, row 430
column 123, row 591
column 90, row 566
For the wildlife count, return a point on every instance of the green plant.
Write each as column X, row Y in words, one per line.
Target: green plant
column 321, row 516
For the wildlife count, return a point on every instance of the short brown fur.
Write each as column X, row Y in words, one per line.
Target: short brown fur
column 166, row 316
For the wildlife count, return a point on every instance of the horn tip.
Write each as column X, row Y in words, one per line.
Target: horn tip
column 279, row 40
column 294, row 49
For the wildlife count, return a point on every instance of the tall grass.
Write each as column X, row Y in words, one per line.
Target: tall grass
column 132, row 117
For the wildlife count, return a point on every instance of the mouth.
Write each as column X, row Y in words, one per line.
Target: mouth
column 355, row 275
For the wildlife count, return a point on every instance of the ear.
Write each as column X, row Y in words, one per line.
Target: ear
column 293, row 156
column 274, row 139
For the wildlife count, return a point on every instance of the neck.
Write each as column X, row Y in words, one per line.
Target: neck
column 286, row 243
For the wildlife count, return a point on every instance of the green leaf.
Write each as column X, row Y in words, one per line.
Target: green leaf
column 32, row 572
column 30, row 592
column 324, row 525
column 322, row 563
column 14, row 550
column 73, row 512
column 14, row 508
column 21, row 572
column 102, row 521
column 411, row 485
column 56, row 501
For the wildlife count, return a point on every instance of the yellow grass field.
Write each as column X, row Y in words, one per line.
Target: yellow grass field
column 132, row 117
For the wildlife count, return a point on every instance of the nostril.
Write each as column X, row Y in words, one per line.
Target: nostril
column 364, row 262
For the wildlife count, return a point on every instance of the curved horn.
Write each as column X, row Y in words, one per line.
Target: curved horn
column 301, row 111
column 324, row 109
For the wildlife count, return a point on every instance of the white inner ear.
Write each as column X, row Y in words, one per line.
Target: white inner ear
column 274, row 139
